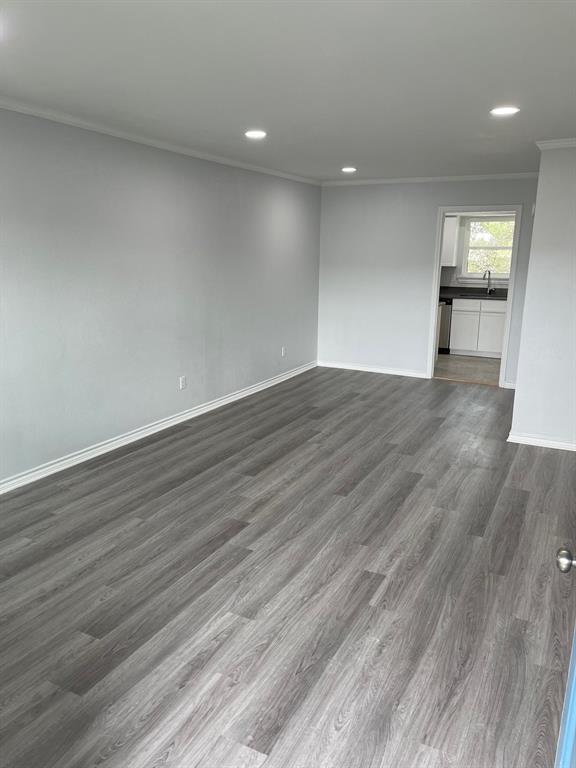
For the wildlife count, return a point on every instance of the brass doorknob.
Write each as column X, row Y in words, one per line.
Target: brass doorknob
column 564, row 559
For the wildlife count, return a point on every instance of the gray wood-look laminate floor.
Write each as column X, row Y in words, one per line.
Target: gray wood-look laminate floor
column 349, row 570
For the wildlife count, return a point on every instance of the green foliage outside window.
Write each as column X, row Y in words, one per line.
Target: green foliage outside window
column 490, row 246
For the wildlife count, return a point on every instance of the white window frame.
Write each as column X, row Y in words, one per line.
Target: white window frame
column 464, row 245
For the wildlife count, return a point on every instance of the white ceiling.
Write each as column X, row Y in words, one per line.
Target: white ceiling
column 397, row 88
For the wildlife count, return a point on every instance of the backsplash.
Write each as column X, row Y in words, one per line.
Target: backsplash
column 448, row 277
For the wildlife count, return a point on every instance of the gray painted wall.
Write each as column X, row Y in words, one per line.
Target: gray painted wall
column 377, row 265
column 124, row 267
column 545, row 402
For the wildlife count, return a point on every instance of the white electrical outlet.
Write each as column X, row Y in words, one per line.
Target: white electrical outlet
column 283, row 351
column 182, row 382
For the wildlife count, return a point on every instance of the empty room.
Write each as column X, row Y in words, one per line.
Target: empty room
column 287, row 384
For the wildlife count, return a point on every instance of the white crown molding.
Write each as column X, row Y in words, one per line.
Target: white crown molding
column 556, row 144
column 542, row 442
column 425, row 179
column 65, row 119
column 373, row 369
column 85, row 454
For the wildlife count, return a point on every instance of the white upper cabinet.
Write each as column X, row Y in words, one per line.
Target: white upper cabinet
column 449, row 241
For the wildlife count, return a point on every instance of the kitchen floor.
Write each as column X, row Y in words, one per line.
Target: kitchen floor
column 468, row 368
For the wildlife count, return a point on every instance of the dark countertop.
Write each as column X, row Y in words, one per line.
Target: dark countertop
column 454, row 292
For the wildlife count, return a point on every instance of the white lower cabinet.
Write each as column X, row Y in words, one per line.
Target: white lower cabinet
column 464, row 330
column 477, row 327
column 491, row 333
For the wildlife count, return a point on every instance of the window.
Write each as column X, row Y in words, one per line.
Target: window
column 487, row 244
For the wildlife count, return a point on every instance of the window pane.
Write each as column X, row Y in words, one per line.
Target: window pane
column 499, row 232
column 481, row 259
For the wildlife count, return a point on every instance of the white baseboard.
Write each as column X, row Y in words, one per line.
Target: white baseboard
column 373, row 369
column 51, row 467
column 508, row 385
column 541, row 442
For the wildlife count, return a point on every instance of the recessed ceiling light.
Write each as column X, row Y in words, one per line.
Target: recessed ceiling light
column 255, row 133
column 504, row 111
column 349, row 169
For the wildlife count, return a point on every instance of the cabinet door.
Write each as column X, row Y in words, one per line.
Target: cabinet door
column 491, row 333
column 464, row 330
column 449, row 241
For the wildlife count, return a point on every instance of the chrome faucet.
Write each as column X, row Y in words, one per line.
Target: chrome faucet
column 489, row 289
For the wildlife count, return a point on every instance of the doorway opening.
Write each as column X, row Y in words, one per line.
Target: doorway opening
column 473, row 290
